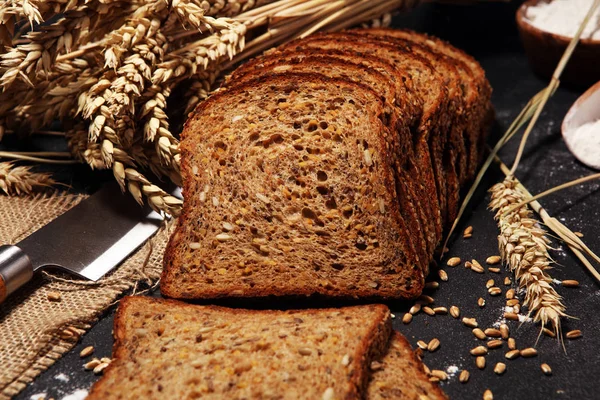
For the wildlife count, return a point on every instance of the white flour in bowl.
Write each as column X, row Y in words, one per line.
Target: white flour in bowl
column 563, row 17
column 584, row 143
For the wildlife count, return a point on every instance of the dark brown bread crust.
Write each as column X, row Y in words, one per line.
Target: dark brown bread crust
column 171, row 284
column 402, row 376
column 372, row 346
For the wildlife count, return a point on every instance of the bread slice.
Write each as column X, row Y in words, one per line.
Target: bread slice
column 450, row 145
column 399, row 375
column 477, row 91
column 429, row 86
column 289, row 190
column 400, row 108
column 171, row 350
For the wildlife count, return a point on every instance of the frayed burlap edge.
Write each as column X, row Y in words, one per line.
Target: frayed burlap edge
column 34, row 331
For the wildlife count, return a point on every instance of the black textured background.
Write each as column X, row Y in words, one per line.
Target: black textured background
column 488, row 32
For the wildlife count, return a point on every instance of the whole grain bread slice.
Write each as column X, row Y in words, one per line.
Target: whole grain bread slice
column 477, row 91
column 289, row 190
column 400, row 116
column 166, row 349
column 400, row 375
column 448, row 149
column 428, row 85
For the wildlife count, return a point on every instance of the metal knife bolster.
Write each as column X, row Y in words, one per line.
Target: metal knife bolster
column 15, row 269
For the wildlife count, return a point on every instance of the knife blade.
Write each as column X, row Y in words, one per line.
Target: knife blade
column 88, row 241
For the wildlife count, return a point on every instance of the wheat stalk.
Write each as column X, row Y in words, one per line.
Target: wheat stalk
column 576, row 245
column 531, row 113
column 107, row 69
column 524, row 248
column 19, row 180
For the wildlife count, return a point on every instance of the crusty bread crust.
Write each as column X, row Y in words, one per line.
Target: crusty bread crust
column 402, row 376
column 114, row 384
column 449, row 145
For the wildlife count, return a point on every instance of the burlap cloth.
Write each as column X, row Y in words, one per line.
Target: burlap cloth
column 34, row 331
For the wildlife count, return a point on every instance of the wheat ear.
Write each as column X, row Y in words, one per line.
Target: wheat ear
column 18, row 180
column 524, row 248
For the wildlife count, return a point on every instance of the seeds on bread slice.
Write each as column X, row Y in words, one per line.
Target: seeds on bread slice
column 399, row 111
column 166, row 349
column 399, row 375
column 289, row 190
column 428, row 85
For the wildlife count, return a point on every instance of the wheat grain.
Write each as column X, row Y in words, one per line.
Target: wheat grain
column 524, row 248
column 148, row 47
column 20, row 180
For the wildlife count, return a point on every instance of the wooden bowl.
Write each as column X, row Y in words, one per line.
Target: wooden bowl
column 545, row 49
column 586, row 109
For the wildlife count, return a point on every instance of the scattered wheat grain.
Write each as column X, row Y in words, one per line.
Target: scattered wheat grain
column 86, row 352
column 480, row 362
column 574, row 334
column 453, row 262
column 546, row 369
column 500, row 368
column 455, row 311
column 433, row 345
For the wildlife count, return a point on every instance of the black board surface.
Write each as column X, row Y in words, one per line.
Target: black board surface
column 488, row 32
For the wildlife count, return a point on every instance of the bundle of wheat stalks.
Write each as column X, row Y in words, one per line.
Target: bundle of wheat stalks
column 524, row 248
column 106, row 68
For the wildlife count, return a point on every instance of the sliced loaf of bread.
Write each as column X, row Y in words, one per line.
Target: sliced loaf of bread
column 429, row 86
column 399, row 375
column 477, row 91
column 290, row 192
column 399, row 111
column 171, row 350
column 449, row 144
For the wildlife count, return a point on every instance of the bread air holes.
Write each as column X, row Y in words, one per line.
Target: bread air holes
column 220, row 145
column 276, row 138
column 331, row 204
column 323, row 191
column 312, row 125
column 337, row 266
column 310, row 214
column 322, row 176
column 361, row 246
column 347, row 212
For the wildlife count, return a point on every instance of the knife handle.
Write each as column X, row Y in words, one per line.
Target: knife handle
column 15, row 270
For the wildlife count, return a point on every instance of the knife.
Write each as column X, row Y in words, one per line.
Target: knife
column 88, row 241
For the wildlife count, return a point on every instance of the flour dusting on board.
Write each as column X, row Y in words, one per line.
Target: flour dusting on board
column 452, row 370
column 62, row 377
column 79, row 394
